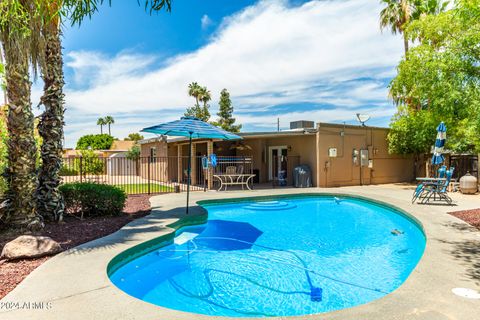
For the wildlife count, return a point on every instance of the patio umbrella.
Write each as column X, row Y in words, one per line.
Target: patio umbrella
column 438, row 157
column 191, row 127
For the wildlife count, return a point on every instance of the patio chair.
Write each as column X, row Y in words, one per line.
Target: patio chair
column 441, row 173
column 437, row 191
column 231, row 170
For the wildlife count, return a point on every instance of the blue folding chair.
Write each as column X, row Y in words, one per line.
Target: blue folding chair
column 437, row 191
column 417, row 193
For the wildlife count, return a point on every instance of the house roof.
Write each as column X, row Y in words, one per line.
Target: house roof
column 262, row 134
column 121, row 145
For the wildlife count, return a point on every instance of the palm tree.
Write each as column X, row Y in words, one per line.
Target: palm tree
column 101, row 122
column 205, row 96
column 396, row 16
column 21, row 45
column 194, row 90
column 108, row 121
column 49, row 201
column 398, row 13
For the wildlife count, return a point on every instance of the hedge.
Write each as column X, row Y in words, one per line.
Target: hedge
column 88, row 199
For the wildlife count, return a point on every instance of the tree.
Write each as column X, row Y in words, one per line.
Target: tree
column 3, row 149
column 50, row 203
column 134, row 153
column 134, row 137
column 398, row 13
column 201, row 94
column 439, row 82
column 27, row 34
column 109, row 121
column 21, row 45
column 101, row 122
column 95, row 142
column 226, row 121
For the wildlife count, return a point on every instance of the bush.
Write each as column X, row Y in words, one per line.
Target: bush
column 92, row 199
column 68, row 171
column 95, row 141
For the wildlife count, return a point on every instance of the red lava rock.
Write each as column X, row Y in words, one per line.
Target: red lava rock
column 471, row 217
column 69, row 233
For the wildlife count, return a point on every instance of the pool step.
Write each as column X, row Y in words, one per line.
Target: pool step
column 270, row 205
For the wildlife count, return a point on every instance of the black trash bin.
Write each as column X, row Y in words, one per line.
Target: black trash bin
column 256, row 172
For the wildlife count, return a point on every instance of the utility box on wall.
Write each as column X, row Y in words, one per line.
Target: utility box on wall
column 332, row 152
column 364, row 158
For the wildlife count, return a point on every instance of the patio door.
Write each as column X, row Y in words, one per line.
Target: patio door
column 277, row 162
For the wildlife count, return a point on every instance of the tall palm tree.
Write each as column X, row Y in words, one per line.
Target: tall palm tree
column 50, row 204
column 21, row 45
column 205, row 96
column 396, row 15
column 108, row 121
column 194, row 90
column 101, row 122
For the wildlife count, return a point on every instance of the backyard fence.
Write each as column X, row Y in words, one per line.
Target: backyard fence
column 148, row 175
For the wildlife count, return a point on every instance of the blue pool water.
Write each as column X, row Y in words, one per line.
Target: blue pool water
column 291, row 256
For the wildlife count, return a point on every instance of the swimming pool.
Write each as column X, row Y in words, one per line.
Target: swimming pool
column 279, row 257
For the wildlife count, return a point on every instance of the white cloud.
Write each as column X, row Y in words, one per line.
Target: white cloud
column 206, row 21
column 267, row 47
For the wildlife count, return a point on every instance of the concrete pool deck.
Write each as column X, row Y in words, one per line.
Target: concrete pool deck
column 75, row 285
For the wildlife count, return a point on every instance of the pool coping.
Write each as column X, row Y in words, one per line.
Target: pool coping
column 89, row 293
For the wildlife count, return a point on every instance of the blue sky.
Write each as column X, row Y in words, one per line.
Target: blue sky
column 295, row 60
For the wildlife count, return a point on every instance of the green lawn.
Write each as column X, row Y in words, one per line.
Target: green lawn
column 143, row 188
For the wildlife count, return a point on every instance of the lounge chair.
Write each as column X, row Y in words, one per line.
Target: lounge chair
column 417, row 193
column 437, row 191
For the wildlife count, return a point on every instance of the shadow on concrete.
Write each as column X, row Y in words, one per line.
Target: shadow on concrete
column 468, row 253
column 156, row 224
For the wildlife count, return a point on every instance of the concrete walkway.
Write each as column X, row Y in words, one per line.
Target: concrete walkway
column 74, row 284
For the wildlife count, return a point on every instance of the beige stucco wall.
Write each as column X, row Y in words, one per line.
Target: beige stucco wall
column 341, row 171
column 301, row 146
column 310, row 149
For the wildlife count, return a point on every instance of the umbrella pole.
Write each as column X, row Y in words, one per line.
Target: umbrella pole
column 189, row 170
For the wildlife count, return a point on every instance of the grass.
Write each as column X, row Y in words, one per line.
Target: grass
column 143, row 188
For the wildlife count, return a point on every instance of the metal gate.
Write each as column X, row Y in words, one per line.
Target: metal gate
column 464, row 163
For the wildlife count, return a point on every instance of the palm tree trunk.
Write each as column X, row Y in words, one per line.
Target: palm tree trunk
column 20, row 209
column 101, row 129
column 405, row 43
column 50, row 202
column 109, row 133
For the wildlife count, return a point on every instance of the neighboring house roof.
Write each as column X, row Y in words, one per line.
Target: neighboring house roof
column 121, row 145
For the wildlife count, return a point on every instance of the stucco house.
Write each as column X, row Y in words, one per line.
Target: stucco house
column 337, row 154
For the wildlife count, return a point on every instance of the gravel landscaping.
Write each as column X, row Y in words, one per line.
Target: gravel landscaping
column 70, row 233
column 471, row 217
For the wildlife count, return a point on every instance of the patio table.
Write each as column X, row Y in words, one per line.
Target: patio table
column 234, row 179
column 432, row 180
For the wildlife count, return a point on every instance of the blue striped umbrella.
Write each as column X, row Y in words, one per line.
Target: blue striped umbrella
column 438, row 157
column 192, row 128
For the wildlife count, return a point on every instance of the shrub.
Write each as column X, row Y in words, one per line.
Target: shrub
column 92, row 199
column 95, row 141
column 65, row 170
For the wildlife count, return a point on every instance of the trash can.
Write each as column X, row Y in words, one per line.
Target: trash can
column 302, row 176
